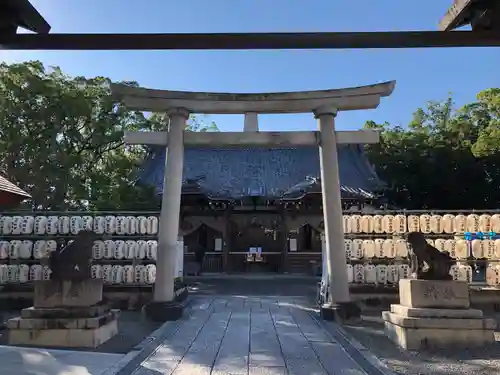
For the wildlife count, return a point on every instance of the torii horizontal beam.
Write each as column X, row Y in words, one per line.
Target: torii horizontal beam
column 251, row 41
column 255, row 139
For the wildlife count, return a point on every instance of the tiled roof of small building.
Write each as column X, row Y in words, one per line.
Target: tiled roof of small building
column 232, row 173
column 8, row 187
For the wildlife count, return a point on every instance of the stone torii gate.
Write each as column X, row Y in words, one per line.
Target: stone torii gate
column 323, row 104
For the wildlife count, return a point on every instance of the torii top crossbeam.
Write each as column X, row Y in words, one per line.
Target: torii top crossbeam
column 353, row 98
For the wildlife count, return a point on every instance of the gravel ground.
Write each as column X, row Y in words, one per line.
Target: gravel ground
column 370, row 333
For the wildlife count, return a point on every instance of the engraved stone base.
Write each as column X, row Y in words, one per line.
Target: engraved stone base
column 71, row 338
column 436, row 314
column 434, row 294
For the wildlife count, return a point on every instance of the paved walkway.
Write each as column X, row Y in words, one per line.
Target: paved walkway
column 249, row 336
column 32, row 361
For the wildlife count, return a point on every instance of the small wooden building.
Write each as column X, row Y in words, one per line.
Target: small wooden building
column 11, row 195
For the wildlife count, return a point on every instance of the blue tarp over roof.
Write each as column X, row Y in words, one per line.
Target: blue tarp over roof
column 232, row 173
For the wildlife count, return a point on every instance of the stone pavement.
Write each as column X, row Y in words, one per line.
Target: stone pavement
column 248, row 336
column 33, row 361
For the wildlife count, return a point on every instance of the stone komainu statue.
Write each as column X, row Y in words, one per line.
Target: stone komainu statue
column 73, row 261
column 427, row 262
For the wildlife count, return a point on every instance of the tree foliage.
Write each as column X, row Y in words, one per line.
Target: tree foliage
column 61, row 139
column 446, row 158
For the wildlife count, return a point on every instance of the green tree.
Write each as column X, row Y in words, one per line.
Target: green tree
column 446, row 158
column 61, row 139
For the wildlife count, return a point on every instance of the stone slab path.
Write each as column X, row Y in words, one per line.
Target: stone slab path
column 249, row 336
column 33, row 361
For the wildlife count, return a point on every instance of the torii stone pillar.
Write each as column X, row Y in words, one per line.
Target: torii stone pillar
column 163, row 306
column 324, row 104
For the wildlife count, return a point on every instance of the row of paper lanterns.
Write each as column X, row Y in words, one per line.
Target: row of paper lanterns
column 355, row 249
column 40, row 225
column 109, row 249
column 111, row 274
column 425, row 223
column 146, row 274
column 398, row 248
column 130, row 225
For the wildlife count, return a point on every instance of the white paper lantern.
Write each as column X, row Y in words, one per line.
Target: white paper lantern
column 98, row 250
column 132, row 225
column 7, row 225
column 359, row 273
column 52, row 225
column 36, row 272
column 403, row 271
column 448, row 223
column 130, row 249
column 4, row 249
column 39, row 249
column 369, row 249
column 75, row 224
column 460, row 224
column 121, row 225
column 51, row 245
column 400, row 224
column 152, row 225
column 110, row 224
column 484, row 223
column 392, row 274
column 346, row 223
column 401, row 248
column 63, row 225
column 348, row 248
column 12, row 273
column 119, row 252
column 96, row 271
column 152, row 249
column 378, row 226
column 366, row 223
column 129, row 274
column 117, row 274
column 87, row 223
column 381, row 274
column 99, row 224
column 357, row 248
column 109, row 249
column 370, row 274
column 350, row 273
column 388, row 223
column 28, row 225
column 3, row 273
column 106, row 273
column 15, row 249
column 389, row 248
column 24, row 273
column 143, row 224
column 139, row 274
column 26, row 249
column 17, row 222
column 141, row 249
column 150, row 274
column 379, row 247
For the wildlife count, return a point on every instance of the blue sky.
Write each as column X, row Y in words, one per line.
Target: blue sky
column 421, row 74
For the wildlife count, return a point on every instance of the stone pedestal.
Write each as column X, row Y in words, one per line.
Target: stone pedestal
column 436, row 314
column 65, row 314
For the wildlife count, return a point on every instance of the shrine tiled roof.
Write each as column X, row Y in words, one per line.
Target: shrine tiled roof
column 232, row 173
